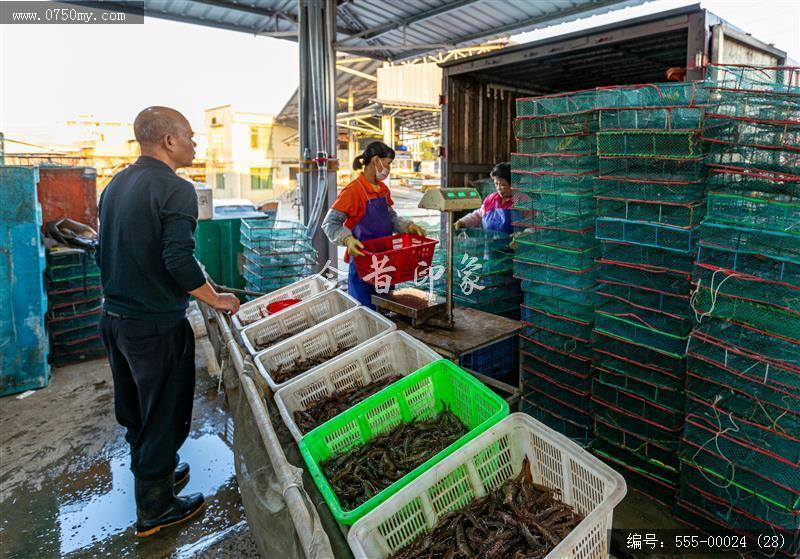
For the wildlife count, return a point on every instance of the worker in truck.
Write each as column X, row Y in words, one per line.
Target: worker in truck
column 495, row 213
column 148, row 270
column 362, row 211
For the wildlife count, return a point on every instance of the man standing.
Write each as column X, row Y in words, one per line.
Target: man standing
column 147, row 220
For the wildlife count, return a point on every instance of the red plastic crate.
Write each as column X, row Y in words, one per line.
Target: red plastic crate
column 402, row 252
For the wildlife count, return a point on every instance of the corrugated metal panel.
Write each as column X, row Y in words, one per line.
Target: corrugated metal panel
column 387, row 30
column 394, row 28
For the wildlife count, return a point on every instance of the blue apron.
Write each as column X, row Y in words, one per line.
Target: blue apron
column 375, row 223
column 498, row 219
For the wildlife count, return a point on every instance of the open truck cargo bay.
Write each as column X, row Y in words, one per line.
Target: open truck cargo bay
column 479, row 92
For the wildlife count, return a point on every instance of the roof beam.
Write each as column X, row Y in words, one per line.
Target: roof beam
column 356, row 73
column 415, row 18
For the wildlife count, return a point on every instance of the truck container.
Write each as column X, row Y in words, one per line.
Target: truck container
column 479, row 92
column 23, row 300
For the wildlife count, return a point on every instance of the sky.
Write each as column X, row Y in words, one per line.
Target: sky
column 52, row 73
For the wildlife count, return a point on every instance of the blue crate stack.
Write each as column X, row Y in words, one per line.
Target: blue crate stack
column 23, row 300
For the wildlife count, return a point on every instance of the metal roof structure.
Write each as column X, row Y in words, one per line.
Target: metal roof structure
column 356, row 74
column 384, row 30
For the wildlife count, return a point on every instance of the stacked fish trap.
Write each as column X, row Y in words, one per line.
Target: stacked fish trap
column 276, row 253
column 483, row 279
column 483, row 271
column 740, row 459
column 650, row 202
column 553, row 182
column 75, row 303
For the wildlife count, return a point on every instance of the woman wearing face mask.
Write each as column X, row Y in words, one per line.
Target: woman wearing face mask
column 495, row 213
column 363, row 211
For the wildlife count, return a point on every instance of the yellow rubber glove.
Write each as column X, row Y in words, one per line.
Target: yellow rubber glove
column 459, row 225
column 415, row 229
column 353, row 245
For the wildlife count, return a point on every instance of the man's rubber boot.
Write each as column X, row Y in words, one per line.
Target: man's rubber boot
column 157, row 506
column 181, row 476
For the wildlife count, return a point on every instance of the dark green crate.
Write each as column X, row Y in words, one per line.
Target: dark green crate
column 742, row 431
column 579, row 364
column 534, row 369
column 630, row 423
column 654, row 259
column 665, row 453
column 578, row 329
column 636, row 405
column 742, row 502
column 551, row 275
column 577, row 426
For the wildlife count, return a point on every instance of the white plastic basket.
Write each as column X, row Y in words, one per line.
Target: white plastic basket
column 296, row 318
column 303, row 289
column 353, row 327
column 394, row 353
column 592, row 488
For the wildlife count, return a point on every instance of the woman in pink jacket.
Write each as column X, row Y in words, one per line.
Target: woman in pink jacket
column 495, row 214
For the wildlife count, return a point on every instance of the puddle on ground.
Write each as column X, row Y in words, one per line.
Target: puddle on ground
column 89, row 510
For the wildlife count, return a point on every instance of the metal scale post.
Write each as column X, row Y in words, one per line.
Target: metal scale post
column 417, row 304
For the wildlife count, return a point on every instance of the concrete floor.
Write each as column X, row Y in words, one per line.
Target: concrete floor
column 65, row 486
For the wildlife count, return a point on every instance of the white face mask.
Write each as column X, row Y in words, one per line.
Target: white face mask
column 383, row 173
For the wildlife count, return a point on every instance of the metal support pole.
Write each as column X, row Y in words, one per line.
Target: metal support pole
column 449, row 269
column 304, row 114
column 317, row 124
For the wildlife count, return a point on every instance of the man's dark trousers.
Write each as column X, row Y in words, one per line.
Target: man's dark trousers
column 152, row 363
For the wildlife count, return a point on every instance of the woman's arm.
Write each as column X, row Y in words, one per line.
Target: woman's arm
column 399, row 224
column 472, row 219
column 333, row 226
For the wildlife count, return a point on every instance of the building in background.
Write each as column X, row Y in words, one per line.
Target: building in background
column 249, row 155
column 86, row 141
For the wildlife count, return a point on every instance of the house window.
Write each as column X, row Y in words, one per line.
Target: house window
column 260, row 178
column 219, row 180
column 261, row 137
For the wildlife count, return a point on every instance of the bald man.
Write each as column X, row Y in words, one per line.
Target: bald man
column 147, row 220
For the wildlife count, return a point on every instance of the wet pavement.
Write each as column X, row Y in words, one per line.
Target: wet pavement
column 66, row 489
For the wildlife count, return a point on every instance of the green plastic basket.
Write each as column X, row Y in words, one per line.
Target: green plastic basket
column 419, row 396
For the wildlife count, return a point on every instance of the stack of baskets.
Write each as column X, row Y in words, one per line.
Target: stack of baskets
column 740, row 459
column 276, row 253
column 650, row 201
column 75, row 304
column 553, row 183
column 494, row 448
